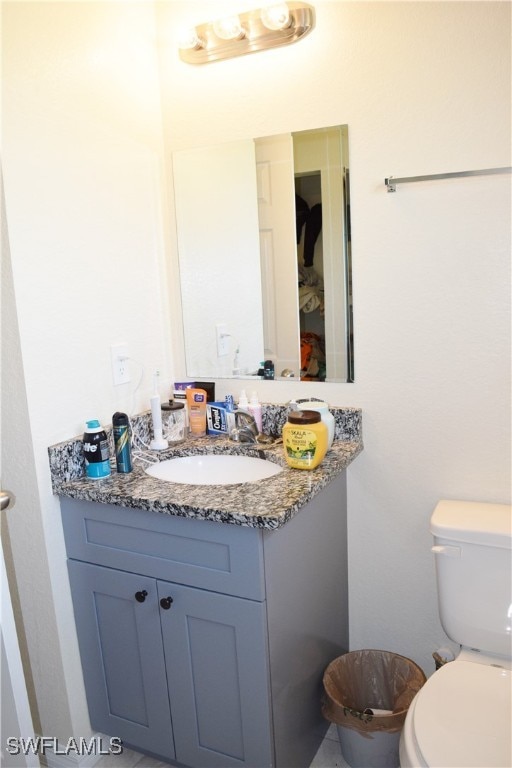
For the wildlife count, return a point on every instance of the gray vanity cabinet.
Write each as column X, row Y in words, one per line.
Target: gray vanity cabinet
column 216, row 662
column 173, row 670
column 122, row 656
column 204, row 643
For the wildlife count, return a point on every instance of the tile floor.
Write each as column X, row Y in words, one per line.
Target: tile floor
column 328, row 756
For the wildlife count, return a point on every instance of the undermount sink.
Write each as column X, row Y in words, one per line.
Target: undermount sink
column 213, row 469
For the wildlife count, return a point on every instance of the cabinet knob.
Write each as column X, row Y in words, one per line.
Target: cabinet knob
column 166, row 603
column 141, row 596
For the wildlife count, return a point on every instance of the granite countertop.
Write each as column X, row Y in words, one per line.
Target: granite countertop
column 267, row 503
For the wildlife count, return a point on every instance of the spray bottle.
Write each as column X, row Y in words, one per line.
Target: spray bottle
column 121, row 429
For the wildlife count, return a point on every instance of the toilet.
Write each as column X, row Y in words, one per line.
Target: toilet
column 463, row 714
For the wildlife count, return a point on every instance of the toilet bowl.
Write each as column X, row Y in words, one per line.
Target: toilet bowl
column 462, row 716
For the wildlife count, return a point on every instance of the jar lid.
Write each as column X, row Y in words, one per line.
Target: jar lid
column 172, row 405
column 304, row 417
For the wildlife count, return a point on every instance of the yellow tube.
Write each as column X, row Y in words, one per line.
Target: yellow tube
column 196, row 404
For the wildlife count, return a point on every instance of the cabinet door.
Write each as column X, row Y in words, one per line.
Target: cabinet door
column 216, row 657
column 120, row 643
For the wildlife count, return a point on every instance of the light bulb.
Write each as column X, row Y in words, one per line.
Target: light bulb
column 189, row 39
column 229, row 28
column 276, row 17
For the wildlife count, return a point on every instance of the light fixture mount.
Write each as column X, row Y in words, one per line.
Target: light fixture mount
column 289, row 22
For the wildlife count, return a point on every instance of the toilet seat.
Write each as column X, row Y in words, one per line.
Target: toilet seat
column 463, row 717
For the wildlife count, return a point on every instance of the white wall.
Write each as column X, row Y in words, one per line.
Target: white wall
column 82, row 142
column 424, row 88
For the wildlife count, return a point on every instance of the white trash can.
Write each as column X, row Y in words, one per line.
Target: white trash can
column 367, row 694
column 372, row 750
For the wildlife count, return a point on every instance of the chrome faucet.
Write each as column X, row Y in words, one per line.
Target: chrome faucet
column 245, row 429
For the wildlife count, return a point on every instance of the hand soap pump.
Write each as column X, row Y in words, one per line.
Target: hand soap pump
column 159, row 443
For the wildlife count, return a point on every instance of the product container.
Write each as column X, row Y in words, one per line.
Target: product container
column 174, row 421
column 196, row 403
column 121, row 430
column 256, row 411
column 96, row 451
column 305, row 439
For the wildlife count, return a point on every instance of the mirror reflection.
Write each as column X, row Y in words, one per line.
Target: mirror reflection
column 265, row 257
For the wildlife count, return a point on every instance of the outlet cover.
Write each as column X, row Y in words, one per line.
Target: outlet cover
column 120, row 364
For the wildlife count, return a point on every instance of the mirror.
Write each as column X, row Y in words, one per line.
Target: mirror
column 264, row 248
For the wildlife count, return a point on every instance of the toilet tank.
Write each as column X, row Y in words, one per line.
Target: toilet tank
column 473, row 558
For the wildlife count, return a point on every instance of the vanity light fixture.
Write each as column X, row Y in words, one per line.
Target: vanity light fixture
column 268, row 27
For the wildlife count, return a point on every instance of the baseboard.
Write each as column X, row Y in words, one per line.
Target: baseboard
column 79, row 753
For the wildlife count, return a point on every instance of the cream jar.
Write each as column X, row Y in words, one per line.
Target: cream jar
column 305, row 439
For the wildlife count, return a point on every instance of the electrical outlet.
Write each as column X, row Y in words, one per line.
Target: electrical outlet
column 222, row 339
column 120, row 367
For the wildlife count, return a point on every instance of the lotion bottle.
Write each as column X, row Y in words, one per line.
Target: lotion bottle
column 196, row 403
column 255, row 410
column 243, row 402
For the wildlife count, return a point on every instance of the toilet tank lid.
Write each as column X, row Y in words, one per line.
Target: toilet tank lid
column 473, row 522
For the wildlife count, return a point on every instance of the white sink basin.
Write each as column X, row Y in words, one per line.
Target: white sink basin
column 217, row 469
